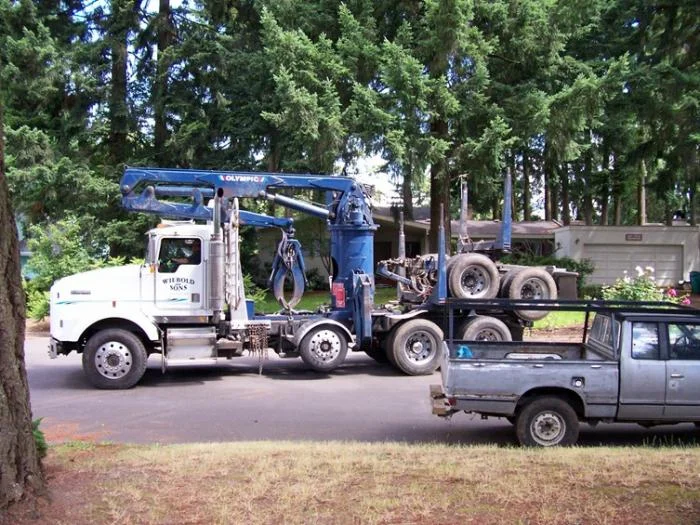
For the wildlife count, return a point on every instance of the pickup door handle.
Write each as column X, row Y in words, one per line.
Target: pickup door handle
column 596, row 366
column 677, row 376
column 477, row 365
column 537, row 366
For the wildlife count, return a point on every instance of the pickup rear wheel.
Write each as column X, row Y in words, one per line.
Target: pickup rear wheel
column 547, row 422
column 114, row 359
column 415, row 347
column 323, row 348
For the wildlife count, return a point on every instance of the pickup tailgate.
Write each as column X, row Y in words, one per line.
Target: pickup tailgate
column 490, row 378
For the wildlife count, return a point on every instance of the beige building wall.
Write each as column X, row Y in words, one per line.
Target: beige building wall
column 673, row 251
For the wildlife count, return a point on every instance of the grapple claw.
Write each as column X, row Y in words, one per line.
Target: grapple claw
column 288, row 261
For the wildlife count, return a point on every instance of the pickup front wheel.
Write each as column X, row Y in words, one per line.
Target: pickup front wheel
column 547, row 422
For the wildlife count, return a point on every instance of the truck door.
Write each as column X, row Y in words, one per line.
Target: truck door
column 179, row 276
column 683, row 372
column 642, row 373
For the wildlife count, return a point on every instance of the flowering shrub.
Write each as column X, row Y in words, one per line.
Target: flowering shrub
column 642, row 288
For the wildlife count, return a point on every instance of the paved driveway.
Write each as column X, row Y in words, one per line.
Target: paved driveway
column 230, row 401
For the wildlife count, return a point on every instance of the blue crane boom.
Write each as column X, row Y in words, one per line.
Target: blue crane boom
column 348, row 216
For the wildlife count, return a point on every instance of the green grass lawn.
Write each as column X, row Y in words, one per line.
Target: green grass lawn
column 560, row 320
column 314, row 298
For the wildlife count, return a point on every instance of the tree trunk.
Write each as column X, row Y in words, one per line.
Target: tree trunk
column 547, row 184
column 605, row 188
column 642, row 195
column 122, row 20
column 587, row 177
column 20, row 470
column 617, row 208
column 692, row 170
column 407, row 193
column 166, row 33
column 527, row 209
column 565, row 204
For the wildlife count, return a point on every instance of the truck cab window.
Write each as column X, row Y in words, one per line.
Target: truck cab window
column 684, row 341
column 645, row 341
column 175, row 252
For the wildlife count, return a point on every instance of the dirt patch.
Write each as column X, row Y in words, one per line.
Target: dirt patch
column 568, row 334
column 64, row 432
column 38, row 328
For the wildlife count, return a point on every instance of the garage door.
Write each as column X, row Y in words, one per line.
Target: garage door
column 612, row 260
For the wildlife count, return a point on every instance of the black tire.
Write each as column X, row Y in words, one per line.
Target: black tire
column 114, row 359
column 378, row 352
column 547, row 422
column 532, row 284
column 415, row 347
column 473, row 276
column 324, row 348
column 485, row 328
column 506, row 279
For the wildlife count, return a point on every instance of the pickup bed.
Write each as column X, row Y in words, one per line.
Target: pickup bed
column 636, row 362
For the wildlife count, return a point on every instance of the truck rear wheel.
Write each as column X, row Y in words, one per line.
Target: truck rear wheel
column 323, row 348
column 473, row 276
column 547, row 422
column 114, row 359
column 485, row 328
column 415, row 347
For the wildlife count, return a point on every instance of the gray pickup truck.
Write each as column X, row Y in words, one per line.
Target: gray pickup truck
column 635, row 363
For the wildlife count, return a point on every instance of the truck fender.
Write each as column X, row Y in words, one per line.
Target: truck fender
column 307, row 327
column 144, row 322
column 571, row 396
column 407, row 315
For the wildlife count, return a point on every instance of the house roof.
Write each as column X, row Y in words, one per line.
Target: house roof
column 475, row 229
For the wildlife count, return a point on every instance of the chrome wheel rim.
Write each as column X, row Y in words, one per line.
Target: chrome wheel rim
column 419, row 347
column 475, row 281
column 534, row 289
column 548, row 428
column 113, row 360
column 488, row 334
column 325, row 344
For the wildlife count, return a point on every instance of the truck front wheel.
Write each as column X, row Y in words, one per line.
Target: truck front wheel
column 415, row 347
column 323, row 348
column 547, row 422
column 114, row 359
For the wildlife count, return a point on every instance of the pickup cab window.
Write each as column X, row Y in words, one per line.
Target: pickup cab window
column 684, row 341
column 645, row 341
column 605, row 331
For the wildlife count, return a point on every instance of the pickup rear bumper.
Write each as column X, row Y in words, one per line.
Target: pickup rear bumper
column 440, row 401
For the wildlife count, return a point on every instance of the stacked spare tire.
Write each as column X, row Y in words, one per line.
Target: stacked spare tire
column 475, row 276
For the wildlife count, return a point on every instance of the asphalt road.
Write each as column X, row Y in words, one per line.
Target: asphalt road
column 231, row 401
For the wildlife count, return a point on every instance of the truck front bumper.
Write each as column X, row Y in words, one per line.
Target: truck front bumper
column 55, row 348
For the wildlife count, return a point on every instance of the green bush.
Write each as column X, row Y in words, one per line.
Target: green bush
column 58, row 250
column 39, row 438
column 643, row 287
